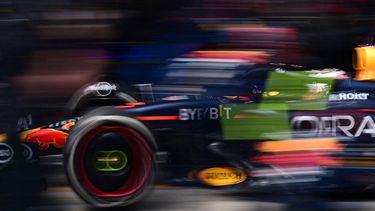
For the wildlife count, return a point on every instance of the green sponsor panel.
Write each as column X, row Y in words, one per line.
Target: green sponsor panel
column 248, row 122
column 284, row 91
column 298, row 90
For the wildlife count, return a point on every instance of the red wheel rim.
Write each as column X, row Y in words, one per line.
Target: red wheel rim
column 141, row 158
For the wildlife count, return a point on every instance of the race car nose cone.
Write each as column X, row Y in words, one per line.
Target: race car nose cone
column 110, row 160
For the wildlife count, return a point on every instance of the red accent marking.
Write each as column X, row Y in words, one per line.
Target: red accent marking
column 367, row 110
column 124, row 106
column 153, row 118
column 244, row 98
column 297, row 159
column 141, row 156
column 257, row 57
column 130, row 105
column 47, row 137
column 135, row 103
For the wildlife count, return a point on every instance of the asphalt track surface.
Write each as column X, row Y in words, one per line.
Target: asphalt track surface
column 59, row 197
column 199, row 199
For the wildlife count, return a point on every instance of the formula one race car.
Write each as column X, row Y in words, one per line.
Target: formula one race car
column 277, row 129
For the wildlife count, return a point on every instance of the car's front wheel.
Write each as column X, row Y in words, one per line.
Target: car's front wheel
column 109, row 160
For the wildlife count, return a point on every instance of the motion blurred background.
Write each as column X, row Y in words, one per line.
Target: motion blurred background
column 50, row 49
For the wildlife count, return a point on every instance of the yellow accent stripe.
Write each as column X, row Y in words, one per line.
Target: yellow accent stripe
column 3, row 137
column 107, row 159
column 359, row 163
column 65, row 188
column 299, row 145
column 24, row 134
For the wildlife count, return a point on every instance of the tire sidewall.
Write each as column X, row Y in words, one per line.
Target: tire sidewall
column 84, row 126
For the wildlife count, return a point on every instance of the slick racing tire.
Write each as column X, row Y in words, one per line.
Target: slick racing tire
column 109, row 159
column 86, row 99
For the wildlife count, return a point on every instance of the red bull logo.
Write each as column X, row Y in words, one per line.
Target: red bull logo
column 45, row 138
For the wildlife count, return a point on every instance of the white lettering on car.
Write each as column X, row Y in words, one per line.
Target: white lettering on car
column 183, row 113
column 198, row 113
column 227, row 110
column 214, row 113
column 102, row 89
column 348, row 96
column 367, row 126
column 344, row 124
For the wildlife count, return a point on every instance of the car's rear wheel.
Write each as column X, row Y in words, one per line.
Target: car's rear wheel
column 109, row 160
column 87, row 98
